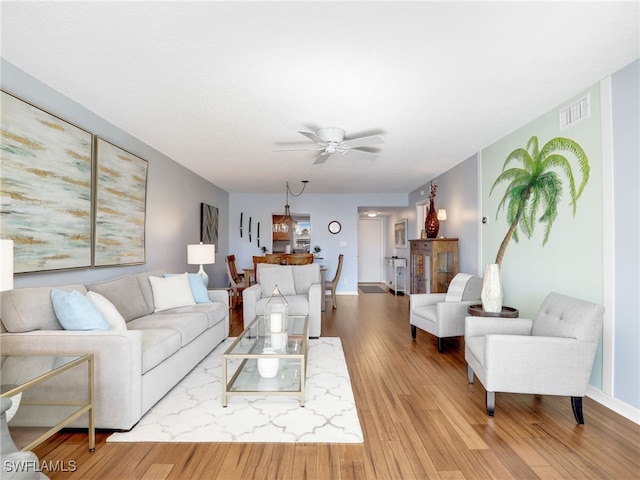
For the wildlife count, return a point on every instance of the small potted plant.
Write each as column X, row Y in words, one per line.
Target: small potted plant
column 316, row 251
column 264, row 250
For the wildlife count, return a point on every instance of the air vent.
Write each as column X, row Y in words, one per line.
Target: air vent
column 575, row 112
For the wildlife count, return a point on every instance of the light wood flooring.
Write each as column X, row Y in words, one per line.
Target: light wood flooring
column 420, row 418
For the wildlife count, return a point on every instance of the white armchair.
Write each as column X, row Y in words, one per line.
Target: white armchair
column 443, row 314
column 552, row 354
column 299, row 284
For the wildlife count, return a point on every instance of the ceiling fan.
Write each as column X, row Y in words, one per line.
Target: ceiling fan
column 331, row 140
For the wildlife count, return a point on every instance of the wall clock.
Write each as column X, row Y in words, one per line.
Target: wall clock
column 334, row 227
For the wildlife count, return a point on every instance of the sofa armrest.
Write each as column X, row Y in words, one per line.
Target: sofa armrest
column 535, row 364
column 481, row 326
column 423, row 299
column 250, row 297
column 117, row 367
column 219, row 295
column 315, row 309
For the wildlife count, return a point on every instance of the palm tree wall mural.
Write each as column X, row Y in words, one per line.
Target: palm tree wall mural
column 535, row 188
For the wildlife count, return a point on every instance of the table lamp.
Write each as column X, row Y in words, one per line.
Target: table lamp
column 6, row 265
column 442, row 216
column 201, row 254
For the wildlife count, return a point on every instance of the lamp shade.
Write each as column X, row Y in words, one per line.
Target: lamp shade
column 442, row 214
column 201, row 254
column 6, row 265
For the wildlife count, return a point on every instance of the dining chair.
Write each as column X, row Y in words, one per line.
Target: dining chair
column 256, row 260
column 333, row 284
column 236, row 281
column 275, row 258
column 299, row 258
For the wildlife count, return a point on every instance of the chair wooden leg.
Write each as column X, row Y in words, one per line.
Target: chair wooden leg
column 440, row 345
column 576, row 405
column 333, row 298
column 491, row 403
column 413, row 331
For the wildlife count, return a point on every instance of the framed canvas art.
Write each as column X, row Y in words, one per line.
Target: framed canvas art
column 121, row 191
column 400, row 234
column 208, row 224
column 46, row 172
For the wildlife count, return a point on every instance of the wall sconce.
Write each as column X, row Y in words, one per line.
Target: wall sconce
column 442, row 216
column 201, row 254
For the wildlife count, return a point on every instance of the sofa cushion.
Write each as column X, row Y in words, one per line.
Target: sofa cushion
column 189, row 326
column 304, row 276
column 158, row 344
column 30, row 308
column 171, row 292
column 125, row 294
column 77, row 312
column 215, row 311
column 198, row 288
column 108, row 309
column 272, row 275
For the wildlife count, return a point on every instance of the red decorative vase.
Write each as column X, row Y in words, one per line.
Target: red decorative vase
column 431, row 223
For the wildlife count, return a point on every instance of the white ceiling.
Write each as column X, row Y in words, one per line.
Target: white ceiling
column 217, row 86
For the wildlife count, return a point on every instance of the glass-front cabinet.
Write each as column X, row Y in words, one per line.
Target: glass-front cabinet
column 434, row 263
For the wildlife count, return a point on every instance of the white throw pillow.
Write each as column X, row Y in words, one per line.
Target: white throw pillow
column 109, row 310
column 171, row 292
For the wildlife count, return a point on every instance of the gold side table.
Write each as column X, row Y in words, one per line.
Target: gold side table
column 21, row 372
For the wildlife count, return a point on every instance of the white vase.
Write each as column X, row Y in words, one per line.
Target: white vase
column 491, row 289
column 268, row 367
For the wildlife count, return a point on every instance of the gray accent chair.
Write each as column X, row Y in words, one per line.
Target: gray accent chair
column 16, row 465
column 443, row 314
column 551, row 354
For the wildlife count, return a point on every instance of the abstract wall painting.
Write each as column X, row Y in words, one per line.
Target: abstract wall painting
column 121, row 190
column 45, row 189
column 209, row 224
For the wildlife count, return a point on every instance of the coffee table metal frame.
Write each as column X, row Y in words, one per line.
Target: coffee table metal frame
column 82, row 407
column 248, row 349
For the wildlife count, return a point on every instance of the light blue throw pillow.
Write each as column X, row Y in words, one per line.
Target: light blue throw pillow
column 199, row 291
column 76, row 312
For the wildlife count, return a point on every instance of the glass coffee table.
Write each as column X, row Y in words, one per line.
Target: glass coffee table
column 245, row 352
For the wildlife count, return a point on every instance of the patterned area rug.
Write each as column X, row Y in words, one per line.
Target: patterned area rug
column 193, row 412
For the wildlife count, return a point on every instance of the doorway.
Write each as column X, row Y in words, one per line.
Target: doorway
column 370, row 250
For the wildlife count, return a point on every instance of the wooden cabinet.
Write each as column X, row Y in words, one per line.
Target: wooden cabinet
column 434, row 262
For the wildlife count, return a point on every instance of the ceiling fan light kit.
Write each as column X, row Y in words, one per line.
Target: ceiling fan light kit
column 331, row 140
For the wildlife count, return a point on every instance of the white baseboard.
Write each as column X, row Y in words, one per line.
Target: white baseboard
column 614, row 404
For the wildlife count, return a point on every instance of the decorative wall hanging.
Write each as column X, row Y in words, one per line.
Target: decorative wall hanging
column 249, row 229
column 534, row 190
column 400, row 234
column 121, row 186
column 208, row 224
column 46, row 188
column 258, row 235
column 241, row 224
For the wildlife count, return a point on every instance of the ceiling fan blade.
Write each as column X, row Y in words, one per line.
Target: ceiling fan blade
column 363, row 141
column 313, row 137
column 322, row 158
column 297, row 149
column 361, row 154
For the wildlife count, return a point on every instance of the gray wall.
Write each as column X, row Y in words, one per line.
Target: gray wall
column 625, row 97
column 458, row 194
column 174, row 194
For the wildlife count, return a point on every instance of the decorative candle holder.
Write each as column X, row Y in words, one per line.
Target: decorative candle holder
column 275, row 316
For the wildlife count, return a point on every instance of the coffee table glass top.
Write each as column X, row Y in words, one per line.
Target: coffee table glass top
column 18, row 371
column 244, row 353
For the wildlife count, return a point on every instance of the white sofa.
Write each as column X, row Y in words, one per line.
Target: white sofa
column 299, row 284
column 133, row 367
